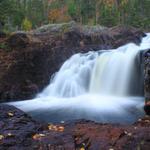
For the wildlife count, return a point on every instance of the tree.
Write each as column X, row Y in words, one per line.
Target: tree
column 72, row 10
column 104, row 12
column 26, row 25
column 5, row 9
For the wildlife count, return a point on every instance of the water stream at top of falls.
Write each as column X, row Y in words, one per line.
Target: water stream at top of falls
column 103, row 86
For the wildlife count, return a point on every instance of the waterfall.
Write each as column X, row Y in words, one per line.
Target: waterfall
column 103, row 86
column 73, row 77
column 107, row 72
column 113, row 71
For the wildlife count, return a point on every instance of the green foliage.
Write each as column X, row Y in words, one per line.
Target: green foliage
column 109, row 16
column 72, row 9
column 5, row 47
column 26, row 25
column 2, row 46
column 5, row 9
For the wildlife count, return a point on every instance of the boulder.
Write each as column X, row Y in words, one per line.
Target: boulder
column 20, row 40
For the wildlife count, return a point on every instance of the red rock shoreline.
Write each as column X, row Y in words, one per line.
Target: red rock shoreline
column 18, row 131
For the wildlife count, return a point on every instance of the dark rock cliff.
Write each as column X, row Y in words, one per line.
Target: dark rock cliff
column 147, row 81
column 27, row 60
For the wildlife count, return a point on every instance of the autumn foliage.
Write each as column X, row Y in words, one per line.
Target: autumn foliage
column 58, row 15
column 27, row 14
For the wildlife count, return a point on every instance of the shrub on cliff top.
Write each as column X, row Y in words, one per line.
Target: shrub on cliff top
column 26, row 25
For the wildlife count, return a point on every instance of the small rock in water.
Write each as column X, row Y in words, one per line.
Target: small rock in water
column 126, row 132
column 10, row 135
column 129, row 134
column 10, row 114
column 62, row 122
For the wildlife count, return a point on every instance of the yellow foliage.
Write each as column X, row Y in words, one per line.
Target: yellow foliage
column 110, row 3
column 54, row 15
column 26, row 25
column 58, row 15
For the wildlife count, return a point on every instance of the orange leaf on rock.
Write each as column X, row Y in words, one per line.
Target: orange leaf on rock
column 38, row 136
column 56, row 128
column 61, row 128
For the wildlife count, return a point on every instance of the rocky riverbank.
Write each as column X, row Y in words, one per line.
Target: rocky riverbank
column 18, row 131
column 27, row 60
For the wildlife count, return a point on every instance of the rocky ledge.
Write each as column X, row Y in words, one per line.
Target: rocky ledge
column 27, row 60
column 18, row 131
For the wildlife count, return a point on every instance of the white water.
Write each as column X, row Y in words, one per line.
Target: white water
column 101, row 86
column 113, row 71
column 73, row 77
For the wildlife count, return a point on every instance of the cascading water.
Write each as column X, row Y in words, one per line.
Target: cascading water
column 113, row 71
column 73, row 77
column 103, row 86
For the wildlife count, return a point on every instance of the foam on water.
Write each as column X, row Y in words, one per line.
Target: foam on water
column 92, row 107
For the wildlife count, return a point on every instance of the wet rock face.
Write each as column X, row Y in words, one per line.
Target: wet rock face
column 19, row 131
column 147, row 74
column 34, row 57
column 147, row 81
column 23, row 79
